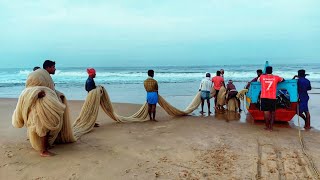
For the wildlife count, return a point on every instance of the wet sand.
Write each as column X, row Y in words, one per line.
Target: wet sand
column 220, row 146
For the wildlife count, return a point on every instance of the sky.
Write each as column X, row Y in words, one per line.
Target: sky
column 158, row 32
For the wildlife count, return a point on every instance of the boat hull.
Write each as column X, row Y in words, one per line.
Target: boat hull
column 281, row 114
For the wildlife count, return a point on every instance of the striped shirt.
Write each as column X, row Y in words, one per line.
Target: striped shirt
column 150, row 85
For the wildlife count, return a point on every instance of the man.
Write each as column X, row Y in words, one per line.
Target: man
column 54, row 125
column 259, row 72
column 304, row 86
column 36, row 67
column 205, row 88
column 50, row 67
column 232, row 93
column 268, row 96
column 151, row 86
column 218, row 81
column 90, row 84
column 222, row 72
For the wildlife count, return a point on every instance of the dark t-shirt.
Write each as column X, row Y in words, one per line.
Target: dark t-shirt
column 253, row 80
column 90, row 84
column 303, row 87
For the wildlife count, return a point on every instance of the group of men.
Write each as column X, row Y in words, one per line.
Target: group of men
column 208, row 85
column 268, row 94
column 267, row 98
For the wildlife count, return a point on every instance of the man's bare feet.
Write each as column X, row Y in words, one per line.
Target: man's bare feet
column 201, row 112
column 266, row 128
column 307, row 127
column 46, row 154
column 96, row 125
column 154, row 120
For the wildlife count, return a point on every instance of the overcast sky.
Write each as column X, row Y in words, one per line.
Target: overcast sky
column 158, row 32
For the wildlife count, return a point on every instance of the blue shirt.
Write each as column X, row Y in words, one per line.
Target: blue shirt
column 304, row 86
column 90, row 84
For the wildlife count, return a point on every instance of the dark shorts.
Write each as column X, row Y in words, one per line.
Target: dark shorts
column 268, row 104
column 232, row 94
column 217, row 92
column 303, row 106
column 205, row 94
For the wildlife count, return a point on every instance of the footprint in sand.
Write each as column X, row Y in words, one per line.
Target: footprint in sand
column 158, row 127
column 3, row 165
column 9, row 154
column 73, row 176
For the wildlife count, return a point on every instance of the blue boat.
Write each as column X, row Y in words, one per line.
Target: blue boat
column 287, row 100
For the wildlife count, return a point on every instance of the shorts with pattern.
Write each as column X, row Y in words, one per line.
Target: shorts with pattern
column 205, row 94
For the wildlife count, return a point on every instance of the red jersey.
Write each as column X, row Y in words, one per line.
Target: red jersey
column 269, row 85
column 217, row 82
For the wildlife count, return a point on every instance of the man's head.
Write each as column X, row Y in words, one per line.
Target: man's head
column 301, row 73
column 91, row 72
column 259, row 72
column 150, row 73
column 222, row 71
column 218, row 73
column 50, row 66
column 269, row 69
column 36, row 67
column 230, row 82
column 208, row 74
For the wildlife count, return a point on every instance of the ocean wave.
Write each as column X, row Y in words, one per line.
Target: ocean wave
column 178, row 74
column 136, row 75
column 24, row 72
column 12, row 84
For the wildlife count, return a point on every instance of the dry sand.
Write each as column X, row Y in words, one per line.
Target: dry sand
column 190, row 147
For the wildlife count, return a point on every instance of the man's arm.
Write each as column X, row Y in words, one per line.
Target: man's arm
column 247, row 86
column 157, row 87
column 223, row 84
column 309, row 86
column 144, row 85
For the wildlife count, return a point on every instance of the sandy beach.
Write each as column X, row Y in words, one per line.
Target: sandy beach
column 190, row 147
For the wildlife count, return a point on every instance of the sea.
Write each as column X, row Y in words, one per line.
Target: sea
column 177, row 84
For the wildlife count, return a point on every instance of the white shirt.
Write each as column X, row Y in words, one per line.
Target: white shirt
column 206, row 84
